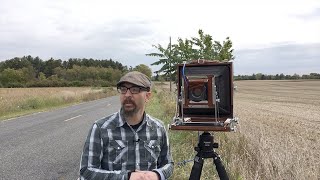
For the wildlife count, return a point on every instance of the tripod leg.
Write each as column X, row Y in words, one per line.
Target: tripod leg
column 220, row 168
column 196, row 168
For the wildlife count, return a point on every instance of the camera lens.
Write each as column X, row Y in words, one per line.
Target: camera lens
column 198, row 93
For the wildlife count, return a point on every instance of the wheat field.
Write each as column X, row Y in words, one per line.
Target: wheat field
column 279, row 128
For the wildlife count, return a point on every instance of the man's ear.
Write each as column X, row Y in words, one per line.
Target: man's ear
column 148, row 96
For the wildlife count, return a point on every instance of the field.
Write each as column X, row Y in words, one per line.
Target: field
column 280, row 121
column 277, row 138
column 19, row 101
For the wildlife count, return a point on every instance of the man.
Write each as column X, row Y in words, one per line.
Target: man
column 129, row 144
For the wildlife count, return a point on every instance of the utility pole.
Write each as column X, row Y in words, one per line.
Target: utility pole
column 169, row 59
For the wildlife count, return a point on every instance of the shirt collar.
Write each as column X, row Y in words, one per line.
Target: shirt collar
column 122, row 120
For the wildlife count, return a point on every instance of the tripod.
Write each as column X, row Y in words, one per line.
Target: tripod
column 205, row 150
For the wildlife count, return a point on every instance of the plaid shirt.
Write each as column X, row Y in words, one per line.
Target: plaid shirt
column 113, row 149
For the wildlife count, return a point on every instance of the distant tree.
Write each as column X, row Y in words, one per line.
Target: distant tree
column 143, row 69
column 314, row 76
column 296, row 76
column 165, row 56
column 15, row 63
column 28, row 73
column 38, row 65
column 50, row 65
column 259, row 76
column 106, row 73
column 281, row 76
column 287, row 77
column 253, row 77
column 202, row 47
column 269, row 77
column 42, row 76
column 11, row 76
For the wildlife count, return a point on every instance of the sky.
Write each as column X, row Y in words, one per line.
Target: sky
column 269, row 36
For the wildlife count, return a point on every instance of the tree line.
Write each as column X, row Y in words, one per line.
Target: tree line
column 29, row 71
column 260, row 76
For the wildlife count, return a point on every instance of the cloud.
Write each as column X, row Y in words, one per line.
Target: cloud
column 285, row 58
column 310, row 16
column 126, row 30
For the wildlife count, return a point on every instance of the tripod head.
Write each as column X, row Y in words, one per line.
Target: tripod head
column 206, row 143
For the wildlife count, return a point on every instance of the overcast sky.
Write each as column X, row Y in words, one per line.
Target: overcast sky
column 269, row 36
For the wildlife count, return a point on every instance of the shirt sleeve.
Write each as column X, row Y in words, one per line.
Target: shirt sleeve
column 90, row 167
column 165, row 162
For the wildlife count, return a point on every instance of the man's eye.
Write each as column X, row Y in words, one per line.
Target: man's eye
column 135, row 89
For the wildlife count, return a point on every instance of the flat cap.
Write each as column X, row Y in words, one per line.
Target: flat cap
column 136, row 78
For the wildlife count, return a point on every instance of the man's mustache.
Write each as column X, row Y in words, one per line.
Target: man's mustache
column 128, row 101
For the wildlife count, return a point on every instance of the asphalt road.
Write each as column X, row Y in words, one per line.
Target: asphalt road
column 48, row 145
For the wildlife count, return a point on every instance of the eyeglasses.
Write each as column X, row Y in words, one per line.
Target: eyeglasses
column 133, row 89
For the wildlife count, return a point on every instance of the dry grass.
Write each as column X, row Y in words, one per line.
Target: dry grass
column 18, row 101
column 279, row 128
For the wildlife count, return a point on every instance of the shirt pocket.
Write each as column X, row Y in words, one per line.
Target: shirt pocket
column 118, row 151
column 152, row 150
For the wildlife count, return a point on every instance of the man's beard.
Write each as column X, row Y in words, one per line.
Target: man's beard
column 129, row 112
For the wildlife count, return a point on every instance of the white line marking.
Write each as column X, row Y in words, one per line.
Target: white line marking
column 20, row 116
column 108, row 104
column 72, row 118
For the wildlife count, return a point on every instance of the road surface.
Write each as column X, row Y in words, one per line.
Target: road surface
column 48, row 145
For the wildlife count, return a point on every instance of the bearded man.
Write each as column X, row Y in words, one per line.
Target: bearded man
column 128, row 144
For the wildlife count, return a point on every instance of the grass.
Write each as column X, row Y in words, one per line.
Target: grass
column 20, row 101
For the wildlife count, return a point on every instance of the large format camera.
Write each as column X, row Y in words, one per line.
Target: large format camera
column 204, row 97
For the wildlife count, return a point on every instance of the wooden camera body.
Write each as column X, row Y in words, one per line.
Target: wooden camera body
column 204, row 97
